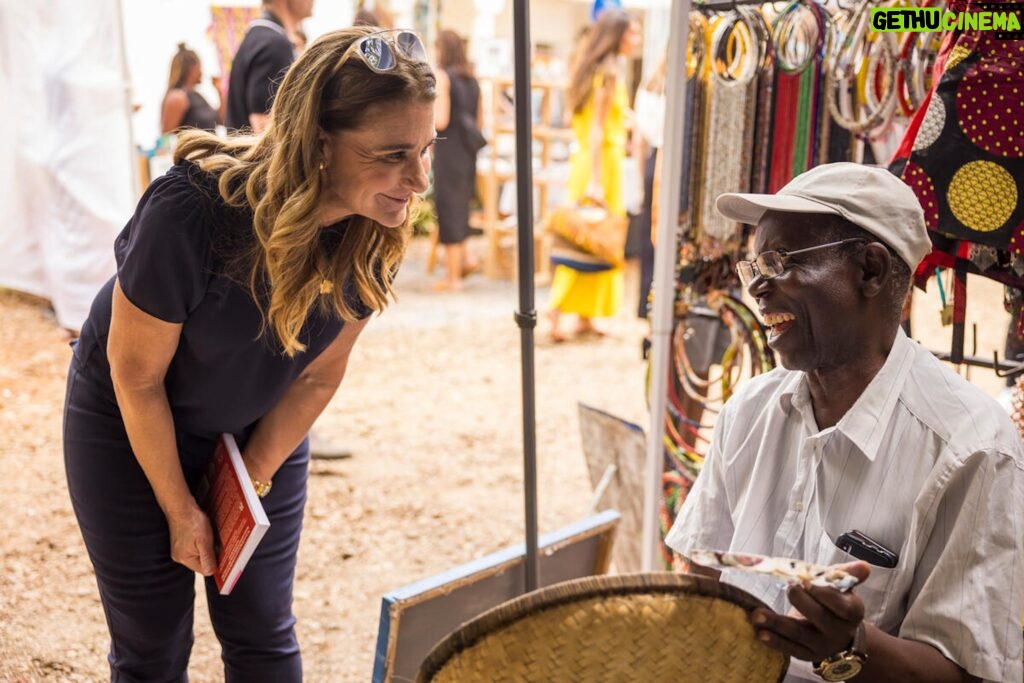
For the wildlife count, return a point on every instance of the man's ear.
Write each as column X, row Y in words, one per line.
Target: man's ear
column 877, row 263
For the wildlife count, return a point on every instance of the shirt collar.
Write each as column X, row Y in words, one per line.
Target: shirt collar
column 867, row 421
column 270, row 16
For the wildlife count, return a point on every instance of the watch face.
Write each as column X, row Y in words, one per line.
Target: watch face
column 843, row 669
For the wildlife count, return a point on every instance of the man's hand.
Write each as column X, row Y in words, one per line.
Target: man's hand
column 822, row 622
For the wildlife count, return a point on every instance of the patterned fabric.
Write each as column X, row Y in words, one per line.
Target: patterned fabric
column 963, row 156
column 227, row 28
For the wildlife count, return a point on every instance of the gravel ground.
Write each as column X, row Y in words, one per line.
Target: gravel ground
column 432, row 408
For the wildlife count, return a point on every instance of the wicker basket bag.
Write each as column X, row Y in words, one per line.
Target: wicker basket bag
column 642, row 628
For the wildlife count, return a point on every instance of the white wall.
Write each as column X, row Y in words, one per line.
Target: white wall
column 555, row 22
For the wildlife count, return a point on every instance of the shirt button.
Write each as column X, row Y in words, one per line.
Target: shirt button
column 798, row 506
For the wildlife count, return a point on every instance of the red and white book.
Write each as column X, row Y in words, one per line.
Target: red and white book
column 235, row 512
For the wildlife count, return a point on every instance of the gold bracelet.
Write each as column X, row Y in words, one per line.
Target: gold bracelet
column 262, row 488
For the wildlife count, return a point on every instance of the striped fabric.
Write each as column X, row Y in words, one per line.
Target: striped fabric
column 924, row 463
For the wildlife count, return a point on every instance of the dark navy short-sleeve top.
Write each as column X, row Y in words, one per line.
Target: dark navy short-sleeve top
column 172, row 263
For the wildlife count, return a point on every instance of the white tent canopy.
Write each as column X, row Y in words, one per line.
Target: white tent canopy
column 66, row 172
column 71, row 72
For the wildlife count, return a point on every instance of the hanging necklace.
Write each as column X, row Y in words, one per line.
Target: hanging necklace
column 326, row 284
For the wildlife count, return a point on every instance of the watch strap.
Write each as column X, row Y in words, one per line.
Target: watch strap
column 847, row 663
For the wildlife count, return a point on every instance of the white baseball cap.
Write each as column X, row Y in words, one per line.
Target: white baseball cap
column 868, row 196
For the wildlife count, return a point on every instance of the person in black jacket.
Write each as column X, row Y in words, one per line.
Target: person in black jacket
column 266, row 52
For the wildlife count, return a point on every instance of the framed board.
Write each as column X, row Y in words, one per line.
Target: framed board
column 415, row 617
column 615, row 451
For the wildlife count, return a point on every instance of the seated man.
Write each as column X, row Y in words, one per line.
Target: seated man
column 862, row 429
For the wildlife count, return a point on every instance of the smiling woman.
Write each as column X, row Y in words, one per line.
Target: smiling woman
column 376, row 171
column 244, row 279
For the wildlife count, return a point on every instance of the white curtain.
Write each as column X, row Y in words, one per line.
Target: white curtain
column 67, row 170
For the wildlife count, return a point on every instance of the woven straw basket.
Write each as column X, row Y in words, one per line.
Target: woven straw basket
column 642, row 628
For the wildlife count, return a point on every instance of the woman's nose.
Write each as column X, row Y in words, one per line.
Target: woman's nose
column 419, row 174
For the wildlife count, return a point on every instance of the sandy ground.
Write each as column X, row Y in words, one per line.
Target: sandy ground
column 432, row 408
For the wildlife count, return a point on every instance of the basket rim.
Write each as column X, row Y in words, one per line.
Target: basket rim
column 577, row 590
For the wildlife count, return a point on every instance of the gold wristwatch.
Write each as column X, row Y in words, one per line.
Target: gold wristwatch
column 844, row 665
column 262, row 487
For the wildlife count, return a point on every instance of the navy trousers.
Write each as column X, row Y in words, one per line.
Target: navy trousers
column 147, row 597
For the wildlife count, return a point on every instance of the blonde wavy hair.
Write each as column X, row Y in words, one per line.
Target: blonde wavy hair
column 276, row 176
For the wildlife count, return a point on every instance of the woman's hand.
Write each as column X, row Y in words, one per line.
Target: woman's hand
column 140, row 348
column 192, row 540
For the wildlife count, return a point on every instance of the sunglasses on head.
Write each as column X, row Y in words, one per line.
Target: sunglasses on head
column 380, row 52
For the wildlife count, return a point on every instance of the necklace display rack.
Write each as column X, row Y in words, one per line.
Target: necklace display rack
column 819, row 70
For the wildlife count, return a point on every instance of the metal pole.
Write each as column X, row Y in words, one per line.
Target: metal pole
column 526, row 316
column 673, row 152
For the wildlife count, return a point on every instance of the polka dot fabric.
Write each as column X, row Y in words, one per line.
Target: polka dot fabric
column 963, row 154
column 919, row 181
column 990, row 101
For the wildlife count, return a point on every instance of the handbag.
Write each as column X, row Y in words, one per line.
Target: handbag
column 475, row 139
column 565, row 253
column 589, row 228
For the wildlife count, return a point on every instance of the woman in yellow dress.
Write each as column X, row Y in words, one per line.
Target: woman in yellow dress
column 600, row 120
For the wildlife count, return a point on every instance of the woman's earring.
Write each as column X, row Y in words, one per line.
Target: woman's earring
column 323, row 165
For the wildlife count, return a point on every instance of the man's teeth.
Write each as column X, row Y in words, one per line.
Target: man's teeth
column 772, row 319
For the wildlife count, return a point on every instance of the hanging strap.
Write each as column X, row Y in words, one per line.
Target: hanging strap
column 956, row 353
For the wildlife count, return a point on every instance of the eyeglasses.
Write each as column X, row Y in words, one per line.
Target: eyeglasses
column 771, row 264
column 378, row 51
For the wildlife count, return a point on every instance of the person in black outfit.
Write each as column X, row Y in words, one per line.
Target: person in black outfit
column 183, row 107
column 243, row 281
column 459, row 118
column 266, row 52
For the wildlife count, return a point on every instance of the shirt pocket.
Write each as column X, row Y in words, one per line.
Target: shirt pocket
column 876, row 591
